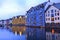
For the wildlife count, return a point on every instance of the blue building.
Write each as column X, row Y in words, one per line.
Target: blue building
column 35, row 22
column 35, row 16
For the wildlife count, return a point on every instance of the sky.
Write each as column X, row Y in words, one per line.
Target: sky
column 11, row 8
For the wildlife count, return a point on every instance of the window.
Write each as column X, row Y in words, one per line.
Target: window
column 58, row 14
column 58, row 18
column 55, row 10
column 51, row 11
column 48, row 18
column 48, row 12
column 52, row 19
column 55, row 18
column 52, row 15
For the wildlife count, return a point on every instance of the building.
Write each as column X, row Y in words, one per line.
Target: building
column 35, row 16
column 2, row 23
column 52, row 13
column 9, row 23
column 18, row 24
column 52, row 20
column 52, row 16
column 35, row 22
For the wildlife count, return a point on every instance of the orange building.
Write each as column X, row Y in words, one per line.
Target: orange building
column 18, row 24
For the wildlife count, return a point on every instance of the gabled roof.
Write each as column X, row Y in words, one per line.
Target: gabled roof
column 57, row 5
column 42, row 5
column 48, row 7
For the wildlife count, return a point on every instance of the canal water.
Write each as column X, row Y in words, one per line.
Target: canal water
column 8, row 35
column 31, row 34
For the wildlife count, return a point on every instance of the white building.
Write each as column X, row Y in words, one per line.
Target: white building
column 52, row 13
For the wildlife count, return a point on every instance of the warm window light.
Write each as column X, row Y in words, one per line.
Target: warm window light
column 52, row 31
column 20, row 33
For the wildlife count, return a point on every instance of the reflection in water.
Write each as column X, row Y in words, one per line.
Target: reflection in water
column 29, row 34
column 7, row 35
column 15, row 32
column 20, row 33
column 36, row 34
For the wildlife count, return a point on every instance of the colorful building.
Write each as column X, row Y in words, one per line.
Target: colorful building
column 52, row 16
column 36, row 16
column 35, row 22
column 52, row 13
column 52, row 20
column 18, row 24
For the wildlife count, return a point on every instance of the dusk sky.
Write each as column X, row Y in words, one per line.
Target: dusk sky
column 10, row 8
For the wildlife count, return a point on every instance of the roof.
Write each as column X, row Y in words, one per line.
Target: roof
column 42, row 5
column 57, row 5
column 48, row 7
column 37, row 7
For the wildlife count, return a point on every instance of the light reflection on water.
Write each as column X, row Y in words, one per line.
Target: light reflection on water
column 36, row 34
column 31, row 34
column 7, row 35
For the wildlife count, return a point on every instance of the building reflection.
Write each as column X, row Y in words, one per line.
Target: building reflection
column 18, row 24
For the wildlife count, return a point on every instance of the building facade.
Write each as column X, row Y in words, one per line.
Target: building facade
column 35, row 22
column 52, row 20
column 36, row 16
column 52, row 14
column 18, row 24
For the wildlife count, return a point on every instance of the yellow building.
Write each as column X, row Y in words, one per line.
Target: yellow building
column 18, row 24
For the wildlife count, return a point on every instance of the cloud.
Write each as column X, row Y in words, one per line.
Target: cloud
column 10, row 8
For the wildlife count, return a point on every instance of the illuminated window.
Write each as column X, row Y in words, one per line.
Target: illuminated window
column 52, row 19
column 53, row 31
